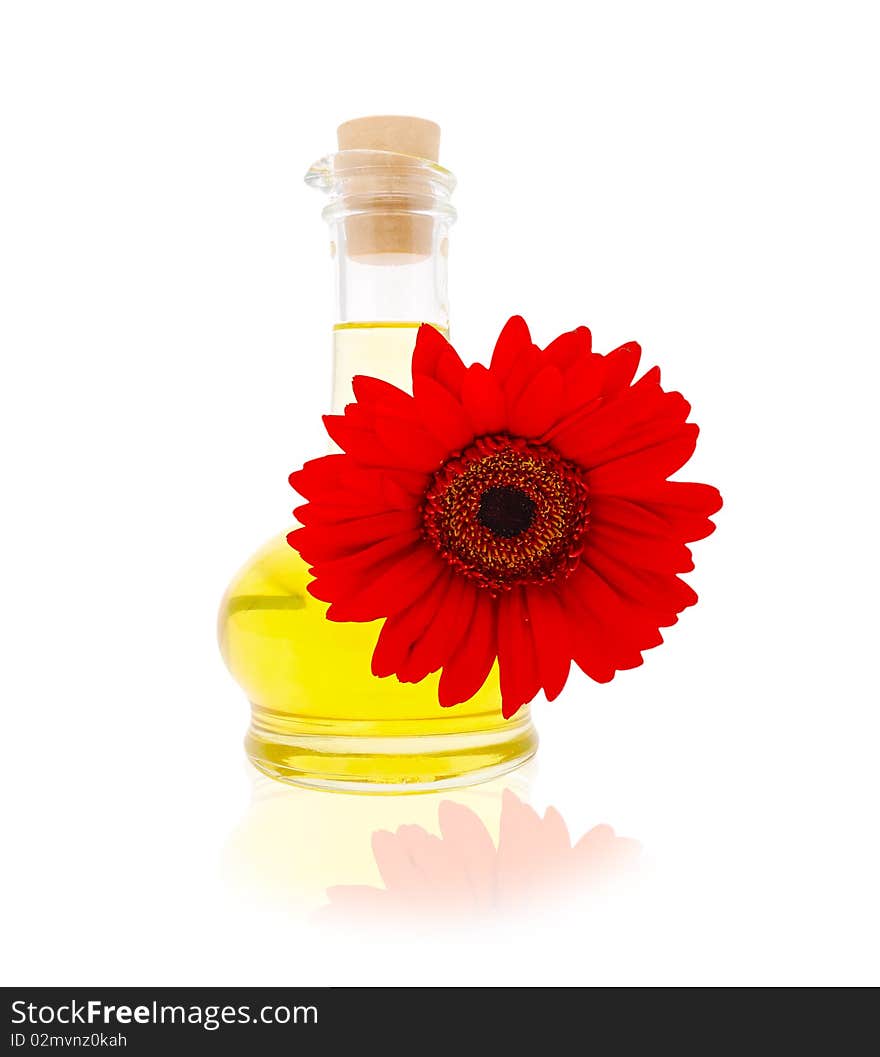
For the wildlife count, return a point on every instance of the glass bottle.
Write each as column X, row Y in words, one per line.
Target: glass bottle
column 318, row 715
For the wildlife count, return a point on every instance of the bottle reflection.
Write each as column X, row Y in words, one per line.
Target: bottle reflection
column 476, row 852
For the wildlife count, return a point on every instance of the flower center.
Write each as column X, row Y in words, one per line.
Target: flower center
column 506, row 511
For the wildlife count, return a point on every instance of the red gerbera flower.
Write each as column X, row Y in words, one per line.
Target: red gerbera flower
column 519, row 512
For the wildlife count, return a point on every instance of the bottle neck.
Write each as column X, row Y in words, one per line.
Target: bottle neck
column 389, row 217
column 391, row 286
column 380, row 304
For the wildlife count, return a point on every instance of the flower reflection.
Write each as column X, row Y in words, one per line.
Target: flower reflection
column 293, row 843
column 462, row 873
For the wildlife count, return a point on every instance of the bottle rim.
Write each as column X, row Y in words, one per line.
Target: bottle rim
column 379, row 181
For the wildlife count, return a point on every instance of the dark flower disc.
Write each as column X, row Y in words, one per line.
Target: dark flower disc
column 507, row 511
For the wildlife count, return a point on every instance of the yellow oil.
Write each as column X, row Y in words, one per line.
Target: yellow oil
column 319, row 716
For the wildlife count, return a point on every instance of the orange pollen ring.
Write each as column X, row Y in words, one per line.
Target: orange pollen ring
column 506, row 511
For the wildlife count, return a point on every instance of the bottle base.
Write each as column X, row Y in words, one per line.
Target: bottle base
column 391, row 765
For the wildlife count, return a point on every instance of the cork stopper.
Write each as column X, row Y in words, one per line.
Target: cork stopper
column 389, row 224
column 415, row 136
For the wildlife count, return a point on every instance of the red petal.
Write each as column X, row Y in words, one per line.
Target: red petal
column 360, row 443
column 589, row 647
column 617, row 628
column 647, row 517
column 524, row 368
column 538, row 407
column 513, row 340
column 403, row 629
column 388, row 443
column 638, row 418
column 649, row 466
column 583, row 382
column 619, row 631
column 348, row 508
column 627, row 514
column 662, row 592
column 382, row 397
column 483, row 401
column 365, row 488
column 321, row 542
column 568, row 348
column 435, row 358
column 441, row 414
column 318, row 476
column 339, row 578
column 337, row 477
column 621, row 365
column 444, row 631
column 683, row 505
column 410, row 445
column 516, row 653
column 552, row 639
column 468, row 668
column 591, row 380
column 635, row 546
column 393, row 590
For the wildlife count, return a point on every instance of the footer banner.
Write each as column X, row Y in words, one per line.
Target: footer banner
column 144, row 1020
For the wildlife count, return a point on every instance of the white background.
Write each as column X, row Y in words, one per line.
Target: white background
column 699, row 177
